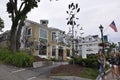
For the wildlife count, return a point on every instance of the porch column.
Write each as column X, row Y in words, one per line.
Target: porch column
column 56, row 52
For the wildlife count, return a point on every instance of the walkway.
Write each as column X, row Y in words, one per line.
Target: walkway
column 109, row 77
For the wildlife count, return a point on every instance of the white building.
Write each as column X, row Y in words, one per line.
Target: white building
column 88, row 45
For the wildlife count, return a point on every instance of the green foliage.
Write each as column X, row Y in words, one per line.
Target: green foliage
column 20, row 59
column 90, row 73
column 4, row 54
column 91, row 61
column 18, row 14
column 53, row 59
column 1, row 24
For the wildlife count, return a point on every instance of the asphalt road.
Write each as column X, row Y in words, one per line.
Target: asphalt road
column 14, row 73
column 41, row 73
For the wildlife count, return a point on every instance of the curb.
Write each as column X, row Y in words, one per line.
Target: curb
column 67, row 78
column 98, row 77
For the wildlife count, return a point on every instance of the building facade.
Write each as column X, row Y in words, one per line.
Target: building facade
column 88, row 45
column 4, row 39
column 45, row 42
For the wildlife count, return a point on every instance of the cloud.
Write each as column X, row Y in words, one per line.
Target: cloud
column 92, row 14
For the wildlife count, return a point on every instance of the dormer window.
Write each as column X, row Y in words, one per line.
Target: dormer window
column 90, row 39
column 44, row 22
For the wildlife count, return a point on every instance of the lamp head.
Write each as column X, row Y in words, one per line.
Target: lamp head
column 101, row 27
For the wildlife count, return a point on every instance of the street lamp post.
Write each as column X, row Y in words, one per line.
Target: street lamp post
column 101, row 30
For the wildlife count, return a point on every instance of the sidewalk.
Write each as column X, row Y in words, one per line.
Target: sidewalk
column 109, row 76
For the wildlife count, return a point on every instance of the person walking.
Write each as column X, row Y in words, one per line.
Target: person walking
column 115, row 65
column 102, row 61
column 110, row 60
column 119, row 64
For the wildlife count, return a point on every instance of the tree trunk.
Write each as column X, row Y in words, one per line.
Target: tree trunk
column 18, row 44
column 13, row 34
column 13, row 38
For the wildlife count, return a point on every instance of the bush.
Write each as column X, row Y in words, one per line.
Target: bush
column 22, row 60
column 19, row 59
column 53, row 59
column 91, row 61
column 4, row 54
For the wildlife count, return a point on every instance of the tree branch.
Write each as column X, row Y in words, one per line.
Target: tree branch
column 21, row 6
column 16, row 12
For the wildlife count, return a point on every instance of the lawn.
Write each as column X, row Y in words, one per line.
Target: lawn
column 89, row 73
column 1, row 62
column 75, row 70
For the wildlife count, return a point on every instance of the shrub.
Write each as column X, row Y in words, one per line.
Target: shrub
column 91, row 61
column 19, row 59
column 53, row 59
column 4, row 54
column 22, row 60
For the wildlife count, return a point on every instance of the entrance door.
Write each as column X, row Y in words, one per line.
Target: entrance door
column 60, row 53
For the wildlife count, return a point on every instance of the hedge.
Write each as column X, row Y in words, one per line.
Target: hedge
column 19, row 59
column 91, row 61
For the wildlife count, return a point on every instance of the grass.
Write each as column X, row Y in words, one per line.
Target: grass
column 69, row 70
column 89, row 73
column 1, row 62
column 86, row 73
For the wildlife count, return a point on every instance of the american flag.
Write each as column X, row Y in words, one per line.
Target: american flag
column 113, row 26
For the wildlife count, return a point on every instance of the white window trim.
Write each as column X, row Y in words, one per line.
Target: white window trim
column 51, row 35
column 31, row 31
column 43, row 37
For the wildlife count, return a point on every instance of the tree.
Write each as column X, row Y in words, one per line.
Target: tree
column 111, row 47
column 1, row 25
column 18, row 16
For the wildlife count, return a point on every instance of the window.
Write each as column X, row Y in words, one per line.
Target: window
column 29, row 32
column 43, row 33
column 90, row 44
column 44, row 22
column 67, row 41
column 53, row 50
column 68, row 52
column 53, row 36
column 90, row 39
column 43, row 50
column 60, row 38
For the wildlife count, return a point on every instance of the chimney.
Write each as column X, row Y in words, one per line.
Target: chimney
column 44, row 22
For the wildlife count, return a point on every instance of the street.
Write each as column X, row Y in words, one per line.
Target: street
column 41, row 73
column 14, row 73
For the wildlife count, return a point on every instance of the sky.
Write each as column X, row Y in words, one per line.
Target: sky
column 92, row 14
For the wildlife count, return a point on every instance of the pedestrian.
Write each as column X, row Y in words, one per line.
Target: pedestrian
column 115, row 64
column 111, row 63
column 119, row 64
column 102, row 61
